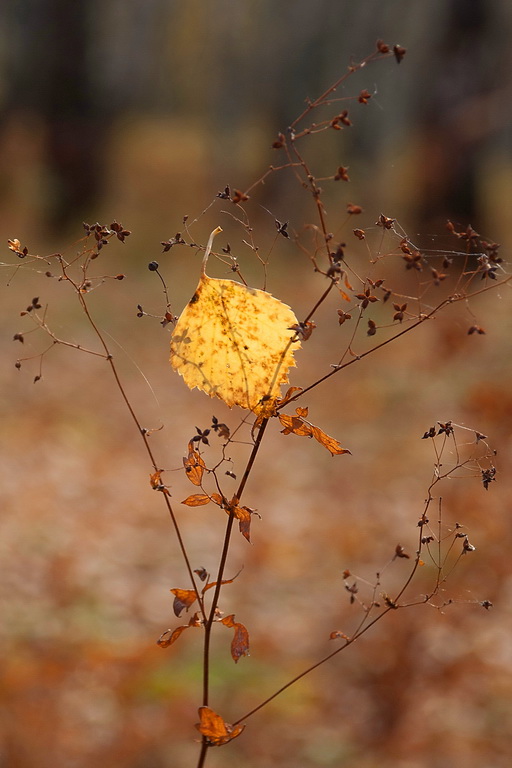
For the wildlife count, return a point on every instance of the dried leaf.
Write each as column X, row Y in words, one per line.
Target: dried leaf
column 156, row 482
column 332, row 445
column 169, row 637
column 166, row 639
column 194, row 465
column 288, row 394
column 243, row 515
column 183, row 599
column 214, row 729
column 14, row 245
column 297, row 426
column 234, row 342
column 226, row 581
column 197, row 500
column 240, row 642
column 294, row 424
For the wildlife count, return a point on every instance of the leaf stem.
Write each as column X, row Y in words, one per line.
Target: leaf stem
column 220, row 574
column 142, row 434
column 314, row 666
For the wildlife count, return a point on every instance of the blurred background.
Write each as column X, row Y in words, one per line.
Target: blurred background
column 141, row 111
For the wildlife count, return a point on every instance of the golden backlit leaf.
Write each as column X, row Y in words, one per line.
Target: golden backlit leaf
column 234, row 342
column 183, row 598
column 197, row 500
column 297, row 426
column 240, row 642
column 214, row 729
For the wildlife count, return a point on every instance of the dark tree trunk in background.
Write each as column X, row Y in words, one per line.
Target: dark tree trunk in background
column 453, row 118
column 75, row 130
column 49, row 82
column 78, row 66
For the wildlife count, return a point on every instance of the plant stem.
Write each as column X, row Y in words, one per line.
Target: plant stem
column 314, row 666
column 144, row 437
column 220, row 574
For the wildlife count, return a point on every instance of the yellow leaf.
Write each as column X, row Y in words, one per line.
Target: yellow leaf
column 234, row 342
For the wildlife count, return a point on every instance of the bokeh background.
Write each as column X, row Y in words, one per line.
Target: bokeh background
column 140, row 112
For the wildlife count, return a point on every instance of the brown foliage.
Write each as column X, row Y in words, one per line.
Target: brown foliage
column 216, row 731
column 297, row 425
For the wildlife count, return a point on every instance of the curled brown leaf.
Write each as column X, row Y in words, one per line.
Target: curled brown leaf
column 183, row 599
column 240, row 642
column 298, row 426
column 197, row 500
column 214, row 729
column 194, row 465
column 169, row 637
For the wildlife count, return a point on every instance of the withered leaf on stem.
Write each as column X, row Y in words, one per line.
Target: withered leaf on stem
column 298, row 426
column 194, row 465
column 240, row 642
column 167, row 638
column 214, row 729
column 156, row 482
column 214, row 583
column 288, row 394
column 197, row 500
column 243, row 515
column 183, row 599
